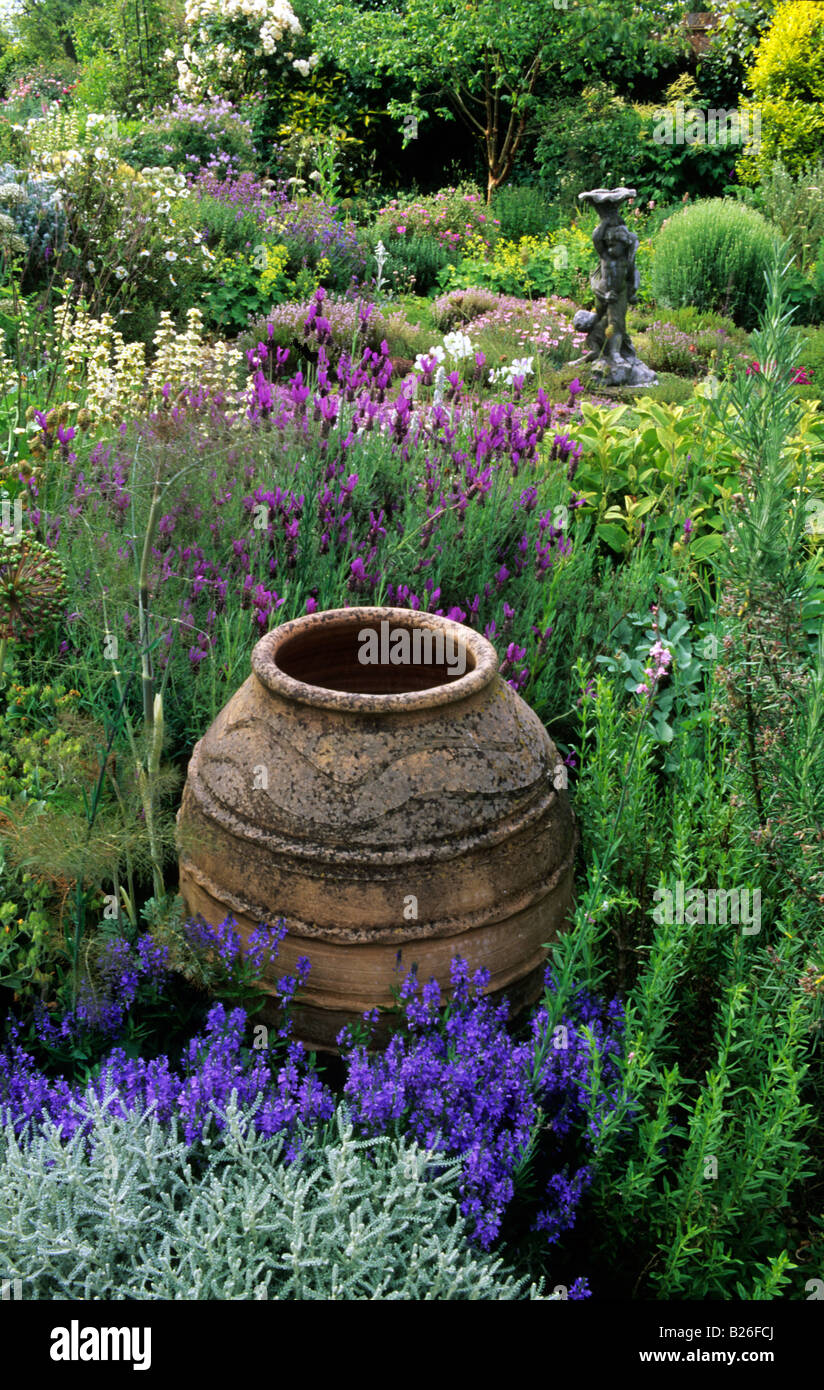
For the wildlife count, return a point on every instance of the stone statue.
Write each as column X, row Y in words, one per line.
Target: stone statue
column 608, row 345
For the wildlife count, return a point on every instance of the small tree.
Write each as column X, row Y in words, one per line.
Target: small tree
column 484, row 58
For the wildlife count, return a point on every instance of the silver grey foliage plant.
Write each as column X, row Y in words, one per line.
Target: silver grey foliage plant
column 134, row 1213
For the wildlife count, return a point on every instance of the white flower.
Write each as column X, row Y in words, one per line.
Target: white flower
column 457, row 345
column 90, row 267
column 170, row 255
column 301, row 65
column 426, row 357
column 121, row 272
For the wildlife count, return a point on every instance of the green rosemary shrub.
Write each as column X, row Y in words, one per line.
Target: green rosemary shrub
column 708, row 1196
column 141, row 1215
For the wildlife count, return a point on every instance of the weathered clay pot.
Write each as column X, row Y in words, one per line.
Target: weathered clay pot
column 392, row 814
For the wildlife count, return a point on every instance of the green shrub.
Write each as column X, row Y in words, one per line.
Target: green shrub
column 14, row 144
column 523, row 211
column 357, row 1219
column 795, row 203
column 714, row 256
column 671, row 390
column 737, row 29
column 415, row 262
column 586, row 141
column 559, row 263
column 600, row 140
column 692, row 320
column 787, row 81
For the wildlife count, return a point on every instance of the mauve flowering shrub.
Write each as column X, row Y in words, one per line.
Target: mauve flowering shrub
column 349, row 323
column 541, row 325
column 460, row 307
column 449, row 216
column 189, row 135
column 302, row 495
column 671, row 350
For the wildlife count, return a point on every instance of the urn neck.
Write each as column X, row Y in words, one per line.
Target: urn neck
column 374, row 660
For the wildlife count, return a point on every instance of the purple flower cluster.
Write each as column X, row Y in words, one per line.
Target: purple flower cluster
column 245, row 193
column 456, row 1080
column 224, row 943
column 215, row 1065
column 103, row 1002
column 465, row 1087
column 208, row 134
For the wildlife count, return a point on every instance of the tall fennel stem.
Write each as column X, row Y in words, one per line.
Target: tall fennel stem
column 147, row 678
column 91, row 816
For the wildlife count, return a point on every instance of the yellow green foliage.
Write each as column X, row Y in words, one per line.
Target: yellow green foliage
column 787, row 81
column 271, row 279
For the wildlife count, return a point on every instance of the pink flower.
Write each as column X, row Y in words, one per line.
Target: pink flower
column 400, row 230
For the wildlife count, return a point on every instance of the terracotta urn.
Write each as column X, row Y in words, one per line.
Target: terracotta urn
column 376, row 783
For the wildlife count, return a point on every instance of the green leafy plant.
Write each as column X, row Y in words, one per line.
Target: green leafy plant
column 683, row 692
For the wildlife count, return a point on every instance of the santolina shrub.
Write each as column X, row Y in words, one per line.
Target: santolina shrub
column 352, row 1220
column 714, row 255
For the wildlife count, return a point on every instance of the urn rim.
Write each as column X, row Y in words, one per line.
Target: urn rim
column 482, row 658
